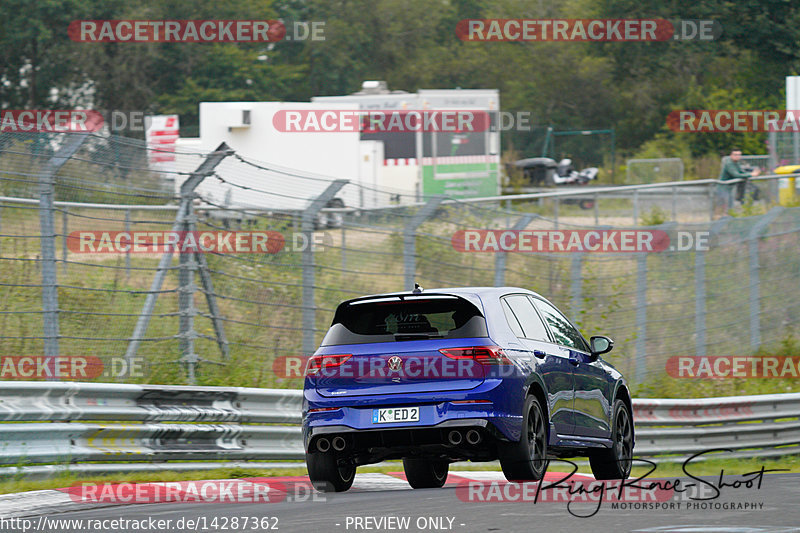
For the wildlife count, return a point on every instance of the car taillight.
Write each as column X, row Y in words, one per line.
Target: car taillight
column 319, row 409
column 485, row 355
column 318, row 362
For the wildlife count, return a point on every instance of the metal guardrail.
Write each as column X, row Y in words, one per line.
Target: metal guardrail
column 765, row 425
column 148, row 425
column 86, row 422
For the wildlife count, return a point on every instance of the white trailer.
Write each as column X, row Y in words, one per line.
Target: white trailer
column 285, row 170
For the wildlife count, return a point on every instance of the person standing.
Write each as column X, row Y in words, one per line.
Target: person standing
column 732, row 170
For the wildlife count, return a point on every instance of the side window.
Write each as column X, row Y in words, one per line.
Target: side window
column 532, row 326
column 564, row 333
column 511, row 319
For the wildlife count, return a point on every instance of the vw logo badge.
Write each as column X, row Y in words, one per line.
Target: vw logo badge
column 395, row 363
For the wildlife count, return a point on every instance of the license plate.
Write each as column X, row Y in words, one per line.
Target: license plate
column 393, row 415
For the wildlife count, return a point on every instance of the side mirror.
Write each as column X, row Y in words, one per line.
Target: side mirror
column 600, row 345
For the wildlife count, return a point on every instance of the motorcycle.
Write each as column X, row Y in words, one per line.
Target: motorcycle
column 545, row 171
column 566, row 174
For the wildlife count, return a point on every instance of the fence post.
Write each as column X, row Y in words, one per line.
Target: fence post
column 410, row 239
column 65, row 232
column 128, row 251
column 755, row 304
column 47, row 230
column 700, row 291
column 186, row 307
column 700, row 303
column 500, row 258
column 675, row 204
column 555, row 211
column 712, row 187
column 635, row 207
column 596, row 209
column 344, row 248
column 206, row 168
column 576, row 284
column 772, row 144
column 307, row 227
column 641, row 317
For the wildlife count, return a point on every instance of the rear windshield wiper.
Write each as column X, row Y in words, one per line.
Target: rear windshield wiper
column 414, row 336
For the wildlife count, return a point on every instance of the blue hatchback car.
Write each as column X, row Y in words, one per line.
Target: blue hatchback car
column 477, row 373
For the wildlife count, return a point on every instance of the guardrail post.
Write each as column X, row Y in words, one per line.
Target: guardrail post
column 635, row 207
column 307, row 227
column 755, row 304
column 206, row 168
column 47, row 230
column 641, row 317
column 501, row 257
column 410, row 239
column 596, row 209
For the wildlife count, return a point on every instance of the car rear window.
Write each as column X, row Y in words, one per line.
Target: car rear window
column 391, row 320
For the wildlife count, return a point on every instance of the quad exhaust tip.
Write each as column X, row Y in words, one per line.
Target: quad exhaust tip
column 323, row 445
column 454, row 437
column 473, row 437
column 338, row 443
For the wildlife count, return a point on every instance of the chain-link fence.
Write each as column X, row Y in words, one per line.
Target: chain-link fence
column 227, row 317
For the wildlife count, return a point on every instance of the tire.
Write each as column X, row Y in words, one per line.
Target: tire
column 425, row 473
column 615, row 463
column 326, row 475
column 526, row 460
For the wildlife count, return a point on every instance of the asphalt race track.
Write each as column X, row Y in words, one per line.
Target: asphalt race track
column 377, row 497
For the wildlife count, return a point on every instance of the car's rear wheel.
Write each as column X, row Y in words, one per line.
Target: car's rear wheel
column 526, row 460
column 615, row 463
column 327, row 475
column 425, row 473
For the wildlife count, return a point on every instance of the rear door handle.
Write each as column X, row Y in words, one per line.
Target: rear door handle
column 539, row 353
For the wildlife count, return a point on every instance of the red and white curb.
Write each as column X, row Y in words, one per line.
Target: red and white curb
column 69, row 498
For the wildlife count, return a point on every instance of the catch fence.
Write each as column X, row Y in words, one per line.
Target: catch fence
column 224, row 318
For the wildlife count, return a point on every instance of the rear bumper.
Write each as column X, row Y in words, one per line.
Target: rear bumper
column 369, row 446
column 436, row 416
